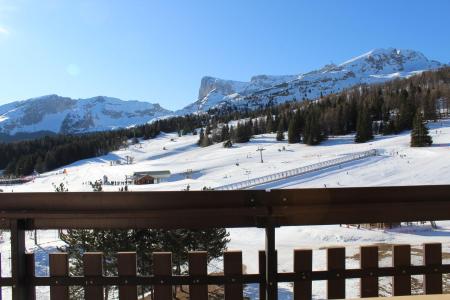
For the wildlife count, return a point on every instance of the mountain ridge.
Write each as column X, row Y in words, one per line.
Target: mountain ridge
column 376, row 66
column 66, row 115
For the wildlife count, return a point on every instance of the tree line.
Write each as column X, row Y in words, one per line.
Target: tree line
column 388, row 108
column 51, row 152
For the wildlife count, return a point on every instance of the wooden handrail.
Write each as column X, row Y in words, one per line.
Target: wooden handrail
column 207, row 209
column 203, row 209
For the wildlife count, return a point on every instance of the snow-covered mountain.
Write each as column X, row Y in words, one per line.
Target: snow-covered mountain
column 58, row 114
column 376, row 66
column 65, row 115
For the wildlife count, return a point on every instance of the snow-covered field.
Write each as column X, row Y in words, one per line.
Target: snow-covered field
column 396, row 164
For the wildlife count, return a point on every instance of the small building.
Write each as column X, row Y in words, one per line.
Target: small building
column 150, row 177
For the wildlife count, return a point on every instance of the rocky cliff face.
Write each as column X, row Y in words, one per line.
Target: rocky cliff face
column 376, row 66
column 225, row 87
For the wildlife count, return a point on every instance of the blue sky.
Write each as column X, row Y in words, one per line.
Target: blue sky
column 158, row 51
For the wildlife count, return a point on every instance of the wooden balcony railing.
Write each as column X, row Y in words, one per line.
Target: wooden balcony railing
column 267, row 209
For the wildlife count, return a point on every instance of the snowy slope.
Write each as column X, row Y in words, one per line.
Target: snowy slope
column 376, row 66
column 66, row 115
column 397, row 164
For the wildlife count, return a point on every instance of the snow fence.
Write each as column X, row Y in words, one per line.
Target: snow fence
column 297, row 171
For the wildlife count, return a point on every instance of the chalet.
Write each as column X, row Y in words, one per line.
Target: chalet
column 150, row 177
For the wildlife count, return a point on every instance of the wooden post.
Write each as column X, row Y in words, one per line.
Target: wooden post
column 302, row 263
column 369, row 259
column 271, row 263
column 198, row 265
column 1, row 296
column 126, row 262
column 30, row 266
column 18, row 261
column 262, row 273
column 432, row 257
column 401, row 257
column 336, row 262
column 93, row 266
column 59, row 266
column 162, row 265
column 232, row 265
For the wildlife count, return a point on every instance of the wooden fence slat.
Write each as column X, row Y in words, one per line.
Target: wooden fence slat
column 93, row 266
column 262, row 273
column 30, row 266
column 302, row 263
column 162, row 265
column 432, row 257
column 198, row 265
column 126, row 266
column 336, row 262
column 369, row 259
column 1, row 293
column 232, row 265
column 59, row 266
column 401, row 257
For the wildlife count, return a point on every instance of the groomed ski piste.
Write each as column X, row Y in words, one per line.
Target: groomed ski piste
column 396, row 163
column 276, row 180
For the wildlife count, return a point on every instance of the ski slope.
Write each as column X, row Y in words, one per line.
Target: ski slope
column 396, row 164
column 278, row 178
column 213, row 166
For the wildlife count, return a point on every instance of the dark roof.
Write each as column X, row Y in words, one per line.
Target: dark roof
column 154, row 174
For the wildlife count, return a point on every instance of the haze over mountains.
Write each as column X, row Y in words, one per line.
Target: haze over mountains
column 58, row 114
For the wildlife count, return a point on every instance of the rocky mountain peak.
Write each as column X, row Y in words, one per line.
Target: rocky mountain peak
column 376, row 66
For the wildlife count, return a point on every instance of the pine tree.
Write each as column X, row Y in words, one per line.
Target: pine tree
column 312, row 133
column 406, row 111
column 248, row 131
column 255, row 127
column 232, row 134
column 200, row 137
column 280, row 133
column 419, row 134
column 280, row 136
column 97, row 186
column 293, row 132
column 225, row 134
column 243, row 132
column 389, row 128
column 39, row 165
column 363, row 126
column 269, row 123
column 227, row 144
